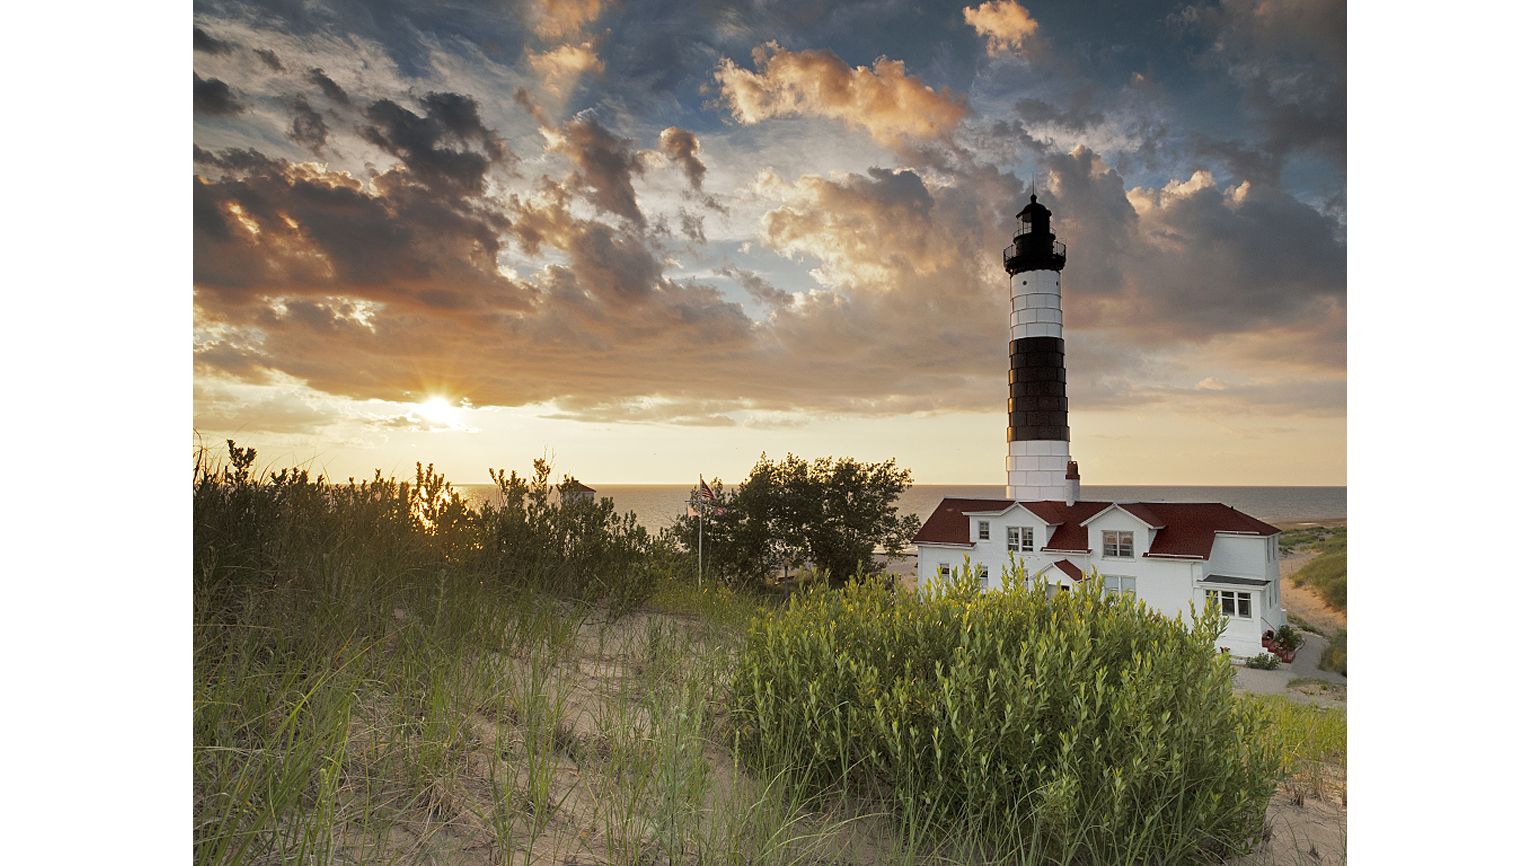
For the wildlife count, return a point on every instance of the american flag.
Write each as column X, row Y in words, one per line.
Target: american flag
column 700, row 497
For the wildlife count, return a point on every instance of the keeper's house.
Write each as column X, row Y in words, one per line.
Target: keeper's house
column 1169, row 554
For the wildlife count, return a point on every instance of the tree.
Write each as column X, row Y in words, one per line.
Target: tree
column 831, row 513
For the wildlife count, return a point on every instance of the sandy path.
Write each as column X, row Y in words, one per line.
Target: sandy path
column 1302, row 602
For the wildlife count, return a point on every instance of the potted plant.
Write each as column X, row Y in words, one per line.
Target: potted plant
column 1289, row 638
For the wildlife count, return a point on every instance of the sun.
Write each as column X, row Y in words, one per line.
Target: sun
column 438, row 410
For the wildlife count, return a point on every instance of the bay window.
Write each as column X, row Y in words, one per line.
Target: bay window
column 1232, row 603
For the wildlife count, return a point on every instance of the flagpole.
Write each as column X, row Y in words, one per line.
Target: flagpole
column 700, row 548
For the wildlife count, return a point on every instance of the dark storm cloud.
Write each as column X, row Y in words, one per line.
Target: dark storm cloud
column 208, row 44
column 270, row 58
column 267, row 229
column 1290, row 60
column 237, row 159
column 606, row 165
column 308, row 127
column 1196, row 260
column 425, row 143
column 212, row 96
column 329, row 88
column 683, row 147
column 1077, row 118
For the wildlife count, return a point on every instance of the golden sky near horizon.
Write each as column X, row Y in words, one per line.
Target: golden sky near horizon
column 654, row 244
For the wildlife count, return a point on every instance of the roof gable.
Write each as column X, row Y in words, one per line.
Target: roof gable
column 1137, row 510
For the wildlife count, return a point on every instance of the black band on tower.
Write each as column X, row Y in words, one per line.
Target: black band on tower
column 1038, row 406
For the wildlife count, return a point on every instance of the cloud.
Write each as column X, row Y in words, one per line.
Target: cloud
column 212, row 96
column 1290, row 59
column 883, row 99
column 277, row 243
column 434, row 145
column 605, row 164
column 561, row 67
column 416, row 261
column 1005, row 23
column 683, row 147
column 208, row 44
column 270, row 59
column 329, row 88
column 308, row 127
column 555, row 19
column 757, row 286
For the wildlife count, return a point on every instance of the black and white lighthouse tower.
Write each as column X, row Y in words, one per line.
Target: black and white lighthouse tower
column 1037, row 463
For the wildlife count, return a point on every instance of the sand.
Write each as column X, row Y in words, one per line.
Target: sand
column 1301, row 602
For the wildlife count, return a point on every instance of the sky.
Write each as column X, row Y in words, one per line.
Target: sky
column 652, row 240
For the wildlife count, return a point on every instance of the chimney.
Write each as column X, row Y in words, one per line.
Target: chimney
column 1071, row 483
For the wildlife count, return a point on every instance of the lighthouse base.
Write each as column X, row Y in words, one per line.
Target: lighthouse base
column 1035, row 471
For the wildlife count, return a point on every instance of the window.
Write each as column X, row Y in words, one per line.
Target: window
column 1116, row 583
column 983, row 578
column 945, row 570
column 1117, row 543
column 983, row 530
column 1236, row 604
column 1018, row 539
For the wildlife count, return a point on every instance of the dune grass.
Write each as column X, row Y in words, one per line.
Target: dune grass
column 1335, row 657
column 384, row 675
column 1017, row 726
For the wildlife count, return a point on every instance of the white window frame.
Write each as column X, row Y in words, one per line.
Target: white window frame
column 983, row 578
column 1112, row 539
column 983, row 530
column 944, row 570
column 1018, row 539
column 1236, row 598
column 1120, row 583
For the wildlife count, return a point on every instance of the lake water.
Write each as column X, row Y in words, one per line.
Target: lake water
column 656, row 505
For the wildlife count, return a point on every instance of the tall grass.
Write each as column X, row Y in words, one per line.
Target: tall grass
column 1012, row 726
column 347, row 638
column 384, row 674
column 1335, row 656
column 1327, row 572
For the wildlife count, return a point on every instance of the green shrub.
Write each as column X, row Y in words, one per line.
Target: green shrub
column 1289, row 637
column 245, row 525
column 1066, row 727
column 1335, row 657
column 1263, row 661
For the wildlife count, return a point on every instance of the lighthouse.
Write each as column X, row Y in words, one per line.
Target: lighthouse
column 1037, row 462
column 1173, row 556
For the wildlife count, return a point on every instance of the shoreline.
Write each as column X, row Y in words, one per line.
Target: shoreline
column 1323, row 523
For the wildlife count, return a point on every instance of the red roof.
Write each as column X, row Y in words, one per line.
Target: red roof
column 948, row 524
column 1183, row 529
column 1189, row 527
column 1070, row 569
